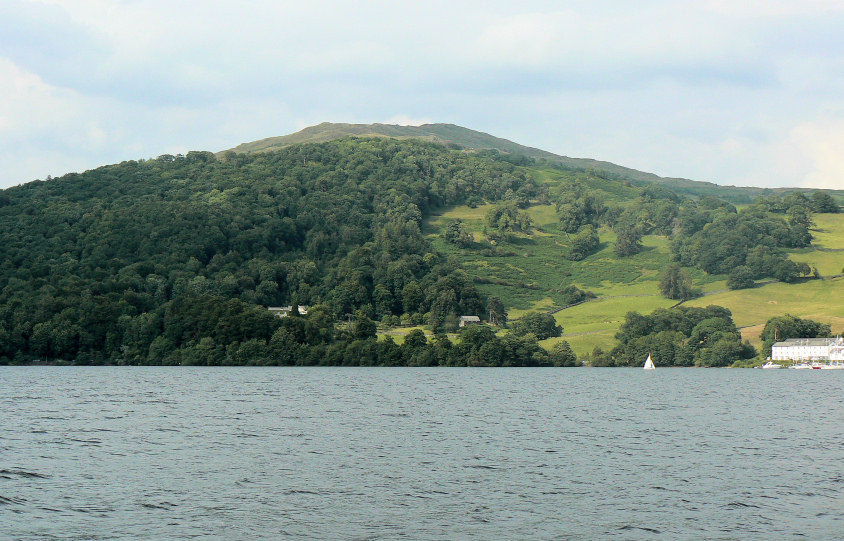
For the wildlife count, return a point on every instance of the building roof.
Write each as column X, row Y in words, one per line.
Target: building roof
column 469, row 318
column 791, row 342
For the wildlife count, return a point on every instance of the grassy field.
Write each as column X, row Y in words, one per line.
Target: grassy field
column 398, row 334
column 595, row 323
column 821, row 300
column 529, row 273
column 827, row 251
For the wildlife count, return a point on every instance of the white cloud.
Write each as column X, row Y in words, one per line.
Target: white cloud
column 407, row 120
column 821, row 144
column 28, row 104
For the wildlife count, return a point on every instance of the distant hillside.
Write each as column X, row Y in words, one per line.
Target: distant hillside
column 451, row 134
column 174, row 260
column 441, row 133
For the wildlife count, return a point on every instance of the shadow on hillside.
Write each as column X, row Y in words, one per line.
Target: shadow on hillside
column 521, row 241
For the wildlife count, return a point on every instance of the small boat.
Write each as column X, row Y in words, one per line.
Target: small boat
column 833, row 365
column 771, row 365
column 649, row 364
column 802, row 366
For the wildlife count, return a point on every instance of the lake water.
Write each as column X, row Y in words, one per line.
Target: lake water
column 369, row 453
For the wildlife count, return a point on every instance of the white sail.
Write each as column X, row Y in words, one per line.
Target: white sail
column 649, row 364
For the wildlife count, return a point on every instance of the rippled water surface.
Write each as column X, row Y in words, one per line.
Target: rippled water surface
column 353, row 453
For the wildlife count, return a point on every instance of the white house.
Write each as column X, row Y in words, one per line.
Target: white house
column 284, row 311
column 469, row 320
column 809, row 349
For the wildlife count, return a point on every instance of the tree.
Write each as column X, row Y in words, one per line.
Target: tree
column 578, row 207
column 571, row 217
column 680, row 336
column 675, row 284
column 412, row 297
column 710, row 330
column 562, row 355
column 363, row 327
column 414, row 340
column 584, row 243
column 539, row 324
column 496, row 311
column 628, row 236
column 741, row 277
column 780, row 328
column 822, row 202
column 456, row 233
column 786, row 271
column 723, row 352
column 506, row 219
column 800, row 215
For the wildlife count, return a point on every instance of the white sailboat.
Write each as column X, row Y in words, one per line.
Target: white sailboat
column 649, row 364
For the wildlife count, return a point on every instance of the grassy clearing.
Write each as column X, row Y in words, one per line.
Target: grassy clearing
column 465, row 213
column 827, row 263
column 757, row 305
column 542, row 305
column 828, row 231
column 398, row 334
column 612, row 190
column 544, row 215
column 606, row 313
column 595, row 323
column 585, row 343
column 828, row 235
column 532, row 269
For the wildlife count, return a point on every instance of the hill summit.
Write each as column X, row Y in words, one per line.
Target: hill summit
column 454, row 135
column 448, row 134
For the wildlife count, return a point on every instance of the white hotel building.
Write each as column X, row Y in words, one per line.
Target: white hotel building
column 809, row 349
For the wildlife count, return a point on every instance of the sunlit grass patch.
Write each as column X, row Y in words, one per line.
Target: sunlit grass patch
column 541, row 305
column 828, row 231
column 543, row 215
column 813, row 298
column 398, row 334
column 585, row 343
column 827, row 263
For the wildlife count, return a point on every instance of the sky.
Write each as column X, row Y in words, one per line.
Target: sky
column 747, row 93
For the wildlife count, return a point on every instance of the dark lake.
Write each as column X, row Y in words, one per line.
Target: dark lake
column 403, row 453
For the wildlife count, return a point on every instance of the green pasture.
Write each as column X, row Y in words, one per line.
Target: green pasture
column 529, row 272
column 585, row 343
column 827, row 250
column 612, row 190
column 595, row 323
column 398, row 334
column 827, row 263
column 821, row 300
column 828, row 231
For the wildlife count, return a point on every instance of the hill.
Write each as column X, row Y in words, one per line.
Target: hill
column 450, row 134
column 440, row 133
column 174, row 260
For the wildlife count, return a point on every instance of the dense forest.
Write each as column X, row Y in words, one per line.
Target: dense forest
column 146, row 261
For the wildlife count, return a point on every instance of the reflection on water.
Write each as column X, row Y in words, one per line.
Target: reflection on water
column 368, row 453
